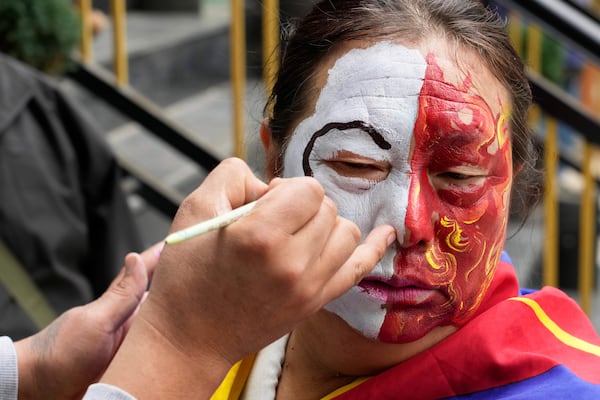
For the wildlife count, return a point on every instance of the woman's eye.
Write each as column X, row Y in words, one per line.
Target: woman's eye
column 353, row 165
column 373, row 171
column 457, row 178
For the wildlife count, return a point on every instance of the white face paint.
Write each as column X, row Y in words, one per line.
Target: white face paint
column 368, row 107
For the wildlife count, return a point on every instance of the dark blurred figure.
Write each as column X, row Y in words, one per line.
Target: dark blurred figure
column 62, row 212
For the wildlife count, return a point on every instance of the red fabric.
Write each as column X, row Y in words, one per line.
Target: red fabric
column 504, row 343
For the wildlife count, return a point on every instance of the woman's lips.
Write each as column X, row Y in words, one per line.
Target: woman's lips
column 399, row 292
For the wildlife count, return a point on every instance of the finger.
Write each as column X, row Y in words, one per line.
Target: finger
column 150, row 257
column 341, row 243
column 315, row 234
column 230, row 185
column 124, row 294
column 290, row 203
column 362, row 261
column 240, row 177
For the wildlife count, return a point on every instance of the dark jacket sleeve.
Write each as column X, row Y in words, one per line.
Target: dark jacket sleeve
column 62, row 210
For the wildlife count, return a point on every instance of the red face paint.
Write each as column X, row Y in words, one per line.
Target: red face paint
column 458, row 206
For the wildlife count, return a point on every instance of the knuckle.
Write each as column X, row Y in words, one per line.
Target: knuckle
column 354, row 234
column 233, row 163
column 292, row 273
column 308, row 187
column 263, row 244
column 304, row 295
column 331, row 205
column 188, row 206
column 306, row 298
column 314, row 187
column 122, row 288
column 359, row 271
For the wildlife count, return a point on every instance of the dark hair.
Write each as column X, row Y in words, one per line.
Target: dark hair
column 466, row 23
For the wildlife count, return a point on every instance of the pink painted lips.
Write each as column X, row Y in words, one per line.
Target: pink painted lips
column 399, row 292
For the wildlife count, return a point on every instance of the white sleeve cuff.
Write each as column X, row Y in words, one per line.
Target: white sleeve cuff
column 9, row 376
column 102, row 391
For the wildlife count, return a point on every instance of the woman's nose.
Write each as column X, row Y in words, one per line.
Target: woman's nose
column 419, row 221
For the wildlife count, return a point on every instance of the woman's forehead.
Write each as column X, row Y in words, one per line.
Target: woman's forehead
column 458, row 67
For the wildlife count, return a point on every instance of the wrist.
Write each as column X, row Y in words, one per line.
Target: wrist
column 165, row 366
column 27, row 365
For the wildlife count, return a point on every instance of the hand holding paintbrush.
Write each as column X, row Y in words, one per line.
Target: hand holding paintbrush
column 222, row 297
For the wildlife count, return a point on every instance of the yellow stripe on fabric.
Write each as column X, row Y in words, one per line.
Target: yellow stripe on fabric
column 344, row 389
column 232, row 386
column 235, row 380
column 564, row 337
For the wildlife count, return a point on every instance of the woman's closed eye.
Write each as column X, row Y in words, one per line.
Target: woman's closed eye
column 461, row 177
column 358, row 167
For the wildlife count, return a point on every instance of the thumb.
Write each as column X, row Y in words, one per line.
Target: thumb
column 124, row 294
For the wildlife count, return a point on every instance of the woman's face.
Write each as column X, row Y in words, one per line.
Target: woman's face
column 412, row 138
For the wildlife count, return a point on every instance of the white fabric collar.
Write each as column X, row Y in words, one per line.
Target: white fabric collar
column 264, row 377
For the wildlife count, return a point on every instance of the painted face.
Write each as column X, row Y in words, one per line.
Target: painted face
column 405, row 139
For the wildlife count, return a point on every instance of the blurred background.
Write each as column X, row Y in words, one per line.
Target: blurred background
column 175, row 86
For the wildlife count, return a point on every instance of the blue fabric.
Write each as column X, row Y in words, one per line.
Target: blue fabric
column 558, row 383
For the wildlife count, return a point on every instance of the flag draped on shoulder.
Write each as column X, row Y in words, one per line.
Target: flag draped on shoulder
column 519, row 346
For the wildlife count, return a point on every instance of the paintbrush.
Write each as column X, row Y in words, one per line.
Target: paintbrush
column 210, row 225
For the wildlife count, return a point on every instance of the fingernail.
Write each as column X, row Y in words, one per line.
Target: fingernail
column 134, row 261
column 158, row 250
column 130, row 263
column 391, row 238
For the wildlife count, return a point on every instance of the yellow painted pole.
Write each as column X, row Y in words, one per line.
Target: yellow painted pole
column 271, row 53
column 550, row 268
column 587, row 222
column 514, row 32
column 587, row 215
column 120, row 61
column 534, row 48
column 85, row 10
column 238, row 74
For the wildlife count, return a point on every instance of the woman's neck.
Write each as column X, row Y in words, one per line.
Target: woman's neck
column 306, row 376
column 324, row 354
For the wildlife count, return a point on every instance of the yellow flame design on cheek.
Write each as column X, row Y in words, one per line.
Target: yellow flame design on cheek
column 446, row 263
column 490, row 267
column 502, row 128
column 443, row 261
column 439, row 260
column 454, row 239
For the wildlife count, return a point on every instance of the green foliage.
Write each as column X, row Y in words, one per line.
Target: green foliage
column 42, row 33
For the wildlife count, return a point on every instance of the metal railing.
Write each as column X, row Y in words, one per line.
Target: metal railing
column 116, row 92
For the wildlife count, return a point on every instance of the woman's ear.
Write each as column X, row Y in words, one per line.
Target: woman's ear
column 271, row 150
